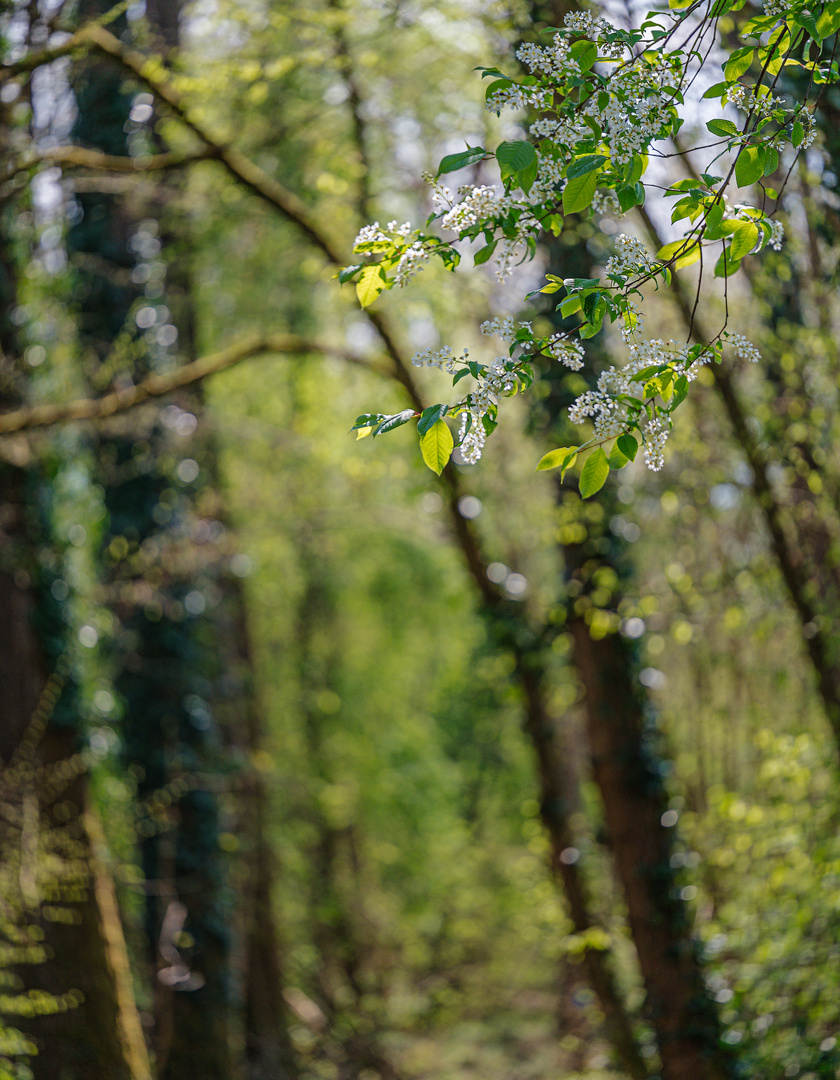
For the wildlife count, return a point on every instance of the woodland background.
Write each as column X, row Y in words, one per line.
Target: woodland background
column 316, row 766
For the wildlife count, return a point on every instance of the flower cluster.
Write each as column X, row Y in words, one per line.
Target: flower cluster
column 520, row 97
column 640, row 105
column 442, row 359
column 371, row 234
column 472, row 435
column 568, row 352
column 745, row 99
column 478, row 203
column 630, row 257
column 503, row 328
column 655, row 435
column 744, row 349
column 609, row 418
column 411, row 262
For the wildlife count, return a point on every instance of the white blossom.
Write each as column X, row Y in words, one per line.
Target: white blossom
column 370, row 234
column 630, row 256
column 411, row 262
column 479, row 203
column 570, row 353
column 744, row 349
column 655, row 435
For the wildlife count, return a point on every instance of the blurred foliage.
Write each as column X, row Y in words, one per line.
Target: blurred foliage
column 414, row 900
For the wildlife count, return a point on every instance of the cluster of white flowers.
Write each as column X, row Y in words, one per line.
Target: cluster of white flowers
column 520, row 97
column 441, row 194
column 549, row 176
column 503, row 328
column 498, row 379
column 655, row 435
column 597, row 29
column 478, row 203
column 411, row 262
column 570, row 353
column 745, row 99
column 776, row 7
column 471, row 443
column 744, row 349
column 777, row 235
column 373, row 234
column 370, row 234
column 630, row 256
column 609, row 418
column 806, row 119
column 442, row 358
column 638, row 108
column 606, row 202
column 553, row 60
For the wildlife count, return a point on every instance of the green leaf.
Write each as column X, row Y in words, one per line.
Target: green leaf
column 583, row 165
column 431, row 416
column 514, row 157
column 628, row 446
column 366, row 419
column 749, row 166
column 617, row 459
column 744, row 239
column 483, row 254
column 726, row 266
column 363, row 432
column 437, row 445
column 771, row 160
column 394, row 421
column 585, row 52
column 738, row 63
column 681, row 250
column 716, row 91
column 680, row 391
column 351, row 271
column 637, row 168
column 594, row 473
column 525, row 177
column 722, row 127
column 570, row 305
column 807, row 21
column 579, row 193
column 370, row 285
column 797, row 134
column 453, row 162
column 829, row 22
column 562, row 458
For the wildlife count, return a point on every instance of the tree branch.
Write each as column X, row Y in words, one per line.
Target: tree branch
column 81, row 158
column 158, row 385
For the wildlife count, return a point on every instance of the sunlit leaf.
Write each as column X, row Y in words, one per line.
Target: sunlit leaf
column 437, row 445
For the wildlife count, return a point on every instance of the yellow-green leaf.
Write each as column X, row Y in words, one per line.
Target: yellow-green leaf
column 369, row 285
column 594, row 473
column 437, row 445
column 563, row 458
column 579, row 192
column 744, row 239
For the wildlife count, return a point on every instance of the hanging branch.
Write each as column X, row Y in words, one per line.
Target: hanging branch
column 153, row 386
